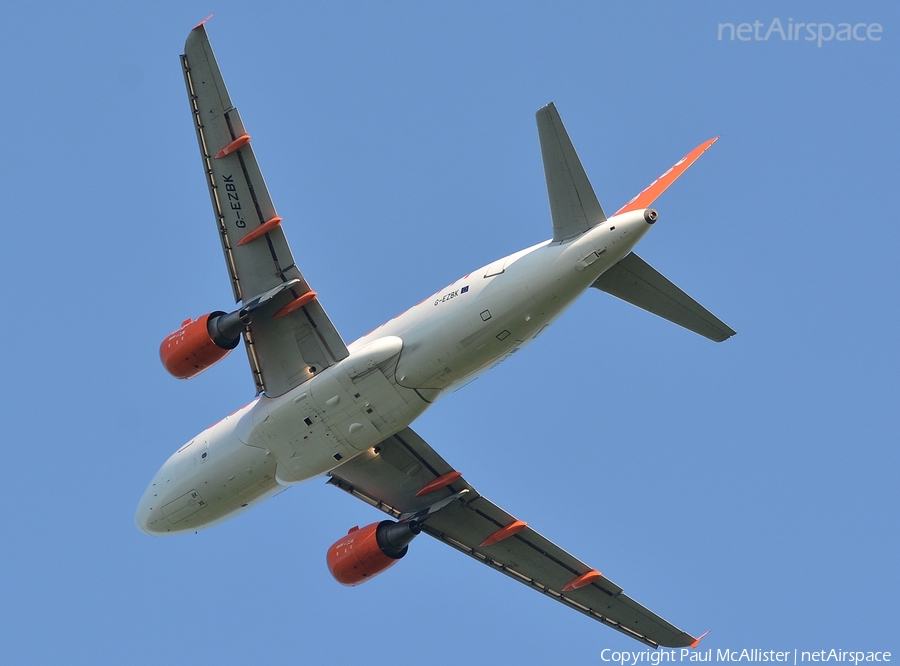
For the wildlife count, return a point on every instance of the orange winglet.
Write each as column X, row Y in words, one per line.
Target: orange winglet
column 582, row 580
column 513, row 528
column 261, row 230
column 438, row 483
column 239, row 142
column 658, row 186
column 697, row 642
column 204, row 20
column 296, row 304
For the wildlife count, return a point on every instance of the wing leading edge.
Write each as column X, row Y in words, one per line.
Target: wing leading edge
column 290, row 338
column 390, row 476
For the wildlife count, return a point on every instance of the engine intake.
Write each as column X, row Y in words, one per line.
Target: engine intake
column 366, row 552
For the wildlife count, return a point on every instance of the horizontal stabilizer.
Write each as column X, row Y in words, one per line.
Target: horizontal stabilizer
column 636, row 281
column 574, row 207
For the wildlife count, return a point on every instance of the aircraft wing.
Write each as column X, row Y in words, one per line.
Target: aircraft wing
column 291, row 337
column 389, row 478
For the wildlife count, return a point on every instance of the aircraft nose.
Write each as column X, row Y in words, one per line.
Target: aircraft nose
column 146, row 517
column 142, row 519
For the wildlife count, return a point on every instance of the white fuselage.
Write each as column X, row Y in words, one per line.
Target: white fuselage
column 391, row 376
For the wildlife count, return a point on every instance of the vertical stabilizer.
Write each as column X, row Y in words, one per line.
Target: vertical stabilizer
column 574, row 207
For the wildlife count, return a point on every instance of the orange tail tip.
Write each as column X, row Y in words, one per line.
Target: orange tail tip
column 702, row 636
column 661, row 184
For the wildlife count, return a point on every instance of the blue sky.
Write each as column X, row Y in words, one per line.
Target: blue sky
column 748, row 488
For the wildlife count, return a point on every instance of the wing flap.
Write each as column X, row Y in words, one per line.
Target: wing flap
column 637, row 282
column 287, row 351
column 389, row 480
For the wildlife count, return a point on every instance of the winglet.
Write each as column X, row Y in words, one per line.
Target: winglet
column 661, row 184
column 697, row 641
column 204, row 20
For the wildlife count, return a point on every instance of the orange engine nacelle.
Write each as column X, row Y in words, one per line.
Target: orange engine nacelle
column 197, row 345
column 367, row 551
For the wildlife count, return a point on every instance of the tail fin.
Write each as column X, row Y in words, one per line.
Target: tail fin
column 661, row 184
column 573, row 205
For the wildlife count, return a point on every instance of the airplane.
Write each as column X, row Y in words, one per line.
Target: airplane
column 327, row 409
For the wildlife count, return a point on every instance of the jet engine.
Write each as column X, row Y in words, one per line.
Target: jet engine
column 367, row 551
column 203, row 342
